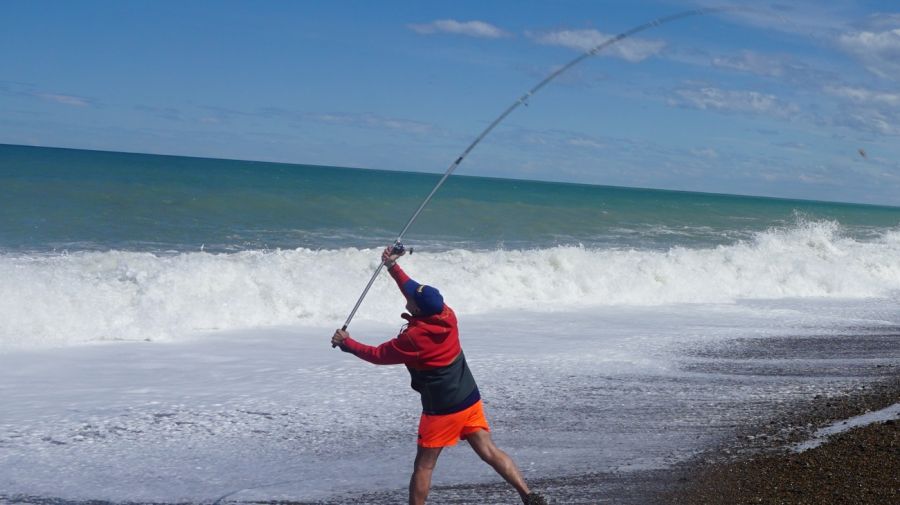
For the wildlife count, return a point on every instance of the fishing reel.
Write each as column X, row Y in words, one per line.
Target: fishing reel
column 399, row 249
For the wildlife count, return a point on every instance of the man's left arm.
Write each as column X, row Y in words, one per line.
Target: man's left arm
column 392, row 352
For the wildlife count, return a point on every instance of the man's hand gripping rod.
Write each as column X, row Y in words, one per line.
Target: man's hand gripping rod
column 398, row 249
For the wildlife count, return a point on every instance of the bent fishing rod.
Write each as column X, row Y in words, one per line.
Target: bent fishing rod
column 398, row 247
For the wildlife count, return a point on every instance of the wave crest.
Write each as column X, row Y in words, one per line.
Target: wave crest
column 64, row 299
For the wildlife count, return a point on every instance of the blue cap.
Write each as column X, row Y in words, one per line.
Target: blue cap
column 427, row 298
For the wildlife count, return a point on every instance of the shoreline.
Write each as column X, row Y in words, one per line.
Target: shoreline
column 755, row 465
column 857, row 466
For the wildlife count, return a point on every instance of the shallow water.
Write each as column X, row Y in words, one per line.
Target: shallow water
column 276, row 414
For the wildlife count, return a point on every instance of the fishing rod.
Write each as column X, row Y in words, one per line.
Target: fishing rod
column 398, row 247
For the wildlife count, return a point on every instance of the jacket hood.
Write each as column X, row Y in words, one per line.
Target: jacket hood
column 441, row 323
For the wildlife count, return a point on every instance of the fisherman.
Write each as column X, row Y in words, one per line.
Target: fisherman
column 451, row 404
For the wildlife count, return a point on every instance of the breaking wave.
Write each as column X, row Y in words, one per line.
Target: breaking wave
column 52, row 300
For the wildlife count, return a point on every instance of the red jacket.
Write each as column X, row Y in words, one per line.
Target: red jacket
column 426, row 342
column 429, row 347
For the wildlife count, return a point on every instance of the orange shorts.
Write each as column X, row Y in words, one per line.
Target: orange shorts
column 446, row 430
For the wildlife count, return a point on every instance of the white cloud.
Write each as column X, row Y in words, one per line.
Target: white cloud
column 872, row 121
column 374, row 121
column 862, row 95
column 706, row 152
column 807, row 18
column 630, row 49
column 867, row 110
column 75, row 101
column 792, row 145
column 752, row 62
column 710, row 98
column 470, row 28
column 878, row 50
column 556, row 139
column 585, row 142
column 885, row 41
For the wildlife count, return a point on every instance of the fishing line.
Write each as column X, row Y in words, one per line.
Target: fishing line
column 522, row 100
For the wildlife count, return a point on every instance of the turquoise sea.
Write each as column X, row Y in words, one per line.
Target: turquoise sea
column 101, row 245
column 66, row 199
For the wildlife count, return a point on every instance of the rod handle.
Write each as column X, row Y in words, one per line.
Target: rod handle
column 343, row 328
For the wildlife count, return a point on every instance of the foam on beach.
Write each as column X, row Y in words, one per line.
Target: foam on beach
column 821, row 435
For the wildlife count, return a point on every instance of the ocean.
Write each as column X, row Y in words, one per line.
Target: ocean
column 71, row 200
column 102, row 245
column 164, row 321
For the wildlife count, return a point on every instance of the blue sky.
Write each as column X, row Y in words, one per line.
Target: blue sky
column 775, row 102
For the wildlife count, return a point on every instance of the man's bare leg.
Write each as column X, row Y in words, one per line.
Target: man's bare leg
column 420, row 482
column 484, row 446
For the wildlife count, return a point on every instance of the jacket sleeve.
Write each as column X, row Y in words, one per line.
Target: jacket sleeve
column 399, row 275
column 398, row 350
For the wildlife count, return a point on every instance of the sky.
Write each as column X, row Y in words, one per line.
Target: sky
column 796, row 99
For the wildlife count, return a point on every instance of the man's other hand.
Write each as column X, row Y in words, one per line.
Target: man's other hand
column 388, row 257
column 338, row 337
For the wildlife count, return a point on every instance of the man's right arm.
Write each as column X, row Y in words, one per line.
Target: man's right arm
column 392, row 352
column 390, row 261
column 399, row 275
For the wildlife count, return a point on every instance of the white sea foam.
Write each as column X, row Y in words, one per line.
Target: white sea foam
column 890, row 412
column 56, row 300
column 275, row 414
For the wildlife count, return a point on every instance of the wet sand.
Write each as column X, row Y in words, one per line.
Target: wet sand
column 859, row 466
column 753, row 463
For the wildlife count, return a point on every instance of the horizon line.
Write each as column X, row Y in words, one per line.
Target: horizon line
column 539, row 181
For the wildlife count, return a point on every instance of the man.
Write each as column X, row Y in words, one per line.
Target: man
column 451, row 404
